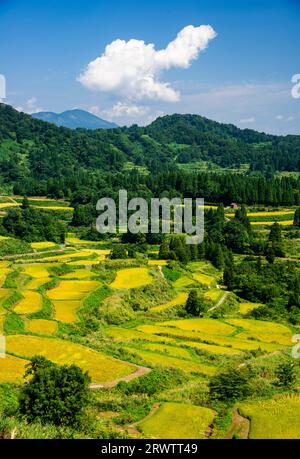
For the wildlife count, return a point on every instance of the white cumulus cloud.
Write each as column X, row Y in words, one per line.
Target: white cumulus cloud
column 124, row 109
column 132, row 68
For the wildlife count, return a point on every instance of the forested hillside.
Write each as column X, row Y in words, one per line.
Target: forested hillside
column 38, row 158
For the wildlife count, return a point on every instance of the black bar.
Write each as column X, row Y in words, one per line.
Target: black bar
column 89, row 449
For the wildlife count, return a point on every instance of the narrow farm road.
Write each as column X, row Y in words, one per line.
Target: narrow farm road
column 240, row 426
column 140, row 371
column 220, row 302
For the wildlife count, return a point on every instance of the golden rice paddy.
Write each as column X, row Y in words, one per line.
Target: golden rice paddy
column 31, row 302
column 278, row 418
column 65, row 310
column 247, row 307
column 37, row 270
column 129, row 334
column 70, row 209
column 183, row 281
column 3, row 205
column 157, row 262
column 34, row 284
column 173, row 351
column 101, row 367
column 269, row 332
column 189, row 366
column 12, row 369
column 131, row 278
column 79, row 274
column 42, row 326
column 284, row 223
column 179, row 299
column 209, row 326
column 213, row 294
column 178, row 421
column 215, row 339
column 270, row 213
column 43, row 245
column 203, row 278
column 72, row 290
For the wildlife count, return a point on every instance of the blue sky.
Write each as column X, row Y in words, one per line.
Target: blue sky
column 243, row 76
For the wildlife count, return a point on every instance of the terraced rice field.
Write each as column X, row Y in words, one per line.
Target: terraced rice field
column 131, row 278
column 189, row 366
column 208, row 326
column 183, row 281
column 72, row 289
column 178, row 420
column 157, row 262
column 43, row 245
column 278, row 418
column 206, row 338
column 4, row 292
column 31, row 302
column 268, row 332
column 247, row 307
column 79, row 274
column 34, row 284
column 179, row 299
column 12, row 369
column 284, row 223
column 65, row 310
column 173, row 351
column 270, row 213
column 37, row 270
column 213, row 294
column 101, row 367
column 41, row 326
column 204, row 278
column 129, row 334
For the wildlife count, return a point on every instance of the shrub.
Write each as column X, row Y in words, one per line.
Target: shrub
column 55, row 394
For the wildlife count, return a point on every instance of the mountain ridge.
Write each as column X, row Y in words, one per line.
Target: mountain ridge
column 75, row 118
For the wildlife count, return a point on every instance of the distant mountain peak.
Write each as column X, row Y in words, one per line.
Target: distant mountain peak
column 75, row 118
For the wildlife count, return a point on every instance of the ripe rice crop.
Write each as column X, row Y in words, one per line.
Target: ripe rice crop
column 128, row 334
column 157, row 262
column 4, row 292
column 247, row 307
column 210, row 326
column 284, row 223
column 179, row 299
column 12, row 369
column 101, row 367
column 262, row 330
column 131, row 278
column 72, row 290
column 76, row 240
column 65, row 310
column 213, row 294
column 270, row 214
column 37, row 270
column 45, row 327
column 211, row 348
column 232, row 342
column 278, row 418
column 183, row 281
column 30, row 303
column 79, row 274
column 203, row 278
column 4, row 205
column 189, row 366
column 178, row 421
column 70, row 209
column 43, row 245
column 34, row 284
column 173, row 351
